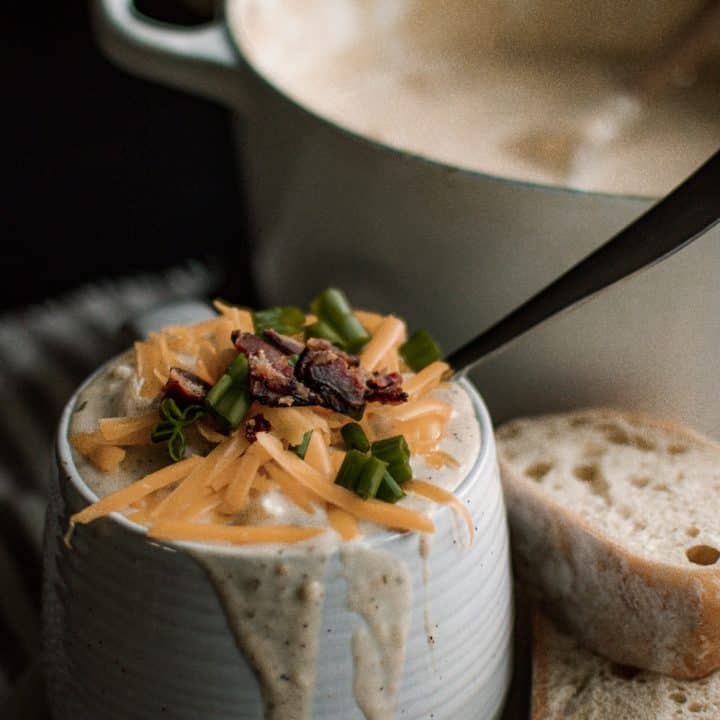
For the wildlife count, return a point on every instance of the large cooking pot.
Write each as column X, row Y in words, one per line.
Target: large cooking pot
column 449, row 249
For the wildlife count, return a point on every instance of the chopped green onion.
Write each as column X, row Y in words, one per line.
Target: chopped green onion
column 301, row 449
column 389, row 491
column 219, row 389
column 176, row 446
column 354, row 437
column 370, row 478
column 396, row 453
column 333, row 308
column 401, row 471
column 170, row 429
column 391, row 450
column 352, row 331
column 420, row 350
column 229, row 398
column 351, row 468
column 234, row 407
column 331, row 304
column 172, row 413
column 286, row 320
column 192, row 413
column 163, row 431
column 355, row 413
column 378, row 475
column 322, row 330
column 238, row 369
column 170, row 410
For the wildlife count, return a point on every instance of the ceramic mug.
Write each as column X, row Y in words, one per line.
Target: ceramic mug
column 134, row 628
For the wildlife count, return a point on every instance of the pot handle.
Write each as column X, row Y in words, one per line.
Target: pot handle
column 201, row 60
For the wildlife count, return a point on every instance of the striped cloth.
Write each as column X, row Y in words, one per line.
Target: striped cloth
column 45, row 352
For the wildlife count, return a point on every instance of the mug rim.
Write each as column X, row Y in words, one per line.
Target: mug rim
column 64, row 457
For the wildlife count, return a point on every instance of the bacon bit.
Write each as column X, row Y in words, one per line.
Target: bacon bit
column 251, row 345
column 323, row 375
column 286, row 344
column 271, row 380
column 337, row 377
column 268, row 383
column 333, row 375
column 386, row 388
column 185, row 388
column 254, row 425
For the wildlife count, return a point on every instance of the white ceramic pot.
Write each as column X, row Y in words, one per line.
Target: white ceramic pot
column 448, row 249
column 134, row 628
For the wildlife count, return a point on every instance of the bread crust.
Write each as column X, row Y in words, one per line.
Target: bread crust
column 571, row 683
column 633, row 610
column 539, row 700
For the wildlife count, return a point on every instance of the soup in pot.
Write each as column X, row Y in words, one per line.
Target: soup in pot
column 538, row 92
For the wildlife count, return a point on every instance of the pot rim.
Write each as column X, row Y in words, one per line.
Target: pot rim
column 64, row 457
column 408, row 155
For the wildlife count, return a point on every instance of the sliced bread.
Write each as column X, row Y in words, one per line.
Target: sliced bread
column 615, row 522
column 572, row 683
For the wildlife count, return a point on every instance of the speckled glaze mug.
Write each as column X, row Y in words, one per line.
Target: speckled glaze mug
column 134, row 629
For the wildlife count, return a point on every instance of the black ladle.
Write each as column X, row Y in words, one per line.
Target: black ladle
column 692, row 208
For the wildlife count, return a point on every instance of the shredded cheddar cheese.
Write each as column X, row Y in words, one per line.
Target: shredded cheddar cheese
column 137, row 491
column 317, row 456
column 87, row 442
column 147, row 358
column 195, row 484
column 243, row 475
column 369, row 320
column 437, row 459
column 128, row 430
column 422, row 434
column 291, row 424
column 203, row 496
column 388, row 335
column 201, row 348
column 343, row 523
column 241, row 319
column 103, row 455
column 427, row 379
column 203, row 504
column 107, row 458
column 440, row 495
column 419, row 409
column 302, row 497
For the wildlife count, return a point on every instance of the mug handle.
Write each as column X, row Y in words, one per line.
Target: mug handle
column 201, row 60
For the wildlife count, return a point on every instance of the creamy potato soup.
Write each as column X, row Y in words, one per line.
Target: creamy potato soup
column 537, row 92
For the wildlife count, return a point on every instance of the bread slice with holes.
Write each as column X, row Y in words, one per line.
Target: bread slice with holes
column 615, row 523
column 572, row 683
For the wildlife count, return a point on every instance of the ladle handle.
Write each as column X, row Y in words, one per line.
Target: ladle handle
column 676, row 220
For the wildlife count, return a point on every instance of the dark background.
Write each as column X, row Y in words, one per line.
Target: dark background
column 107, row 174
column 104, row 175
